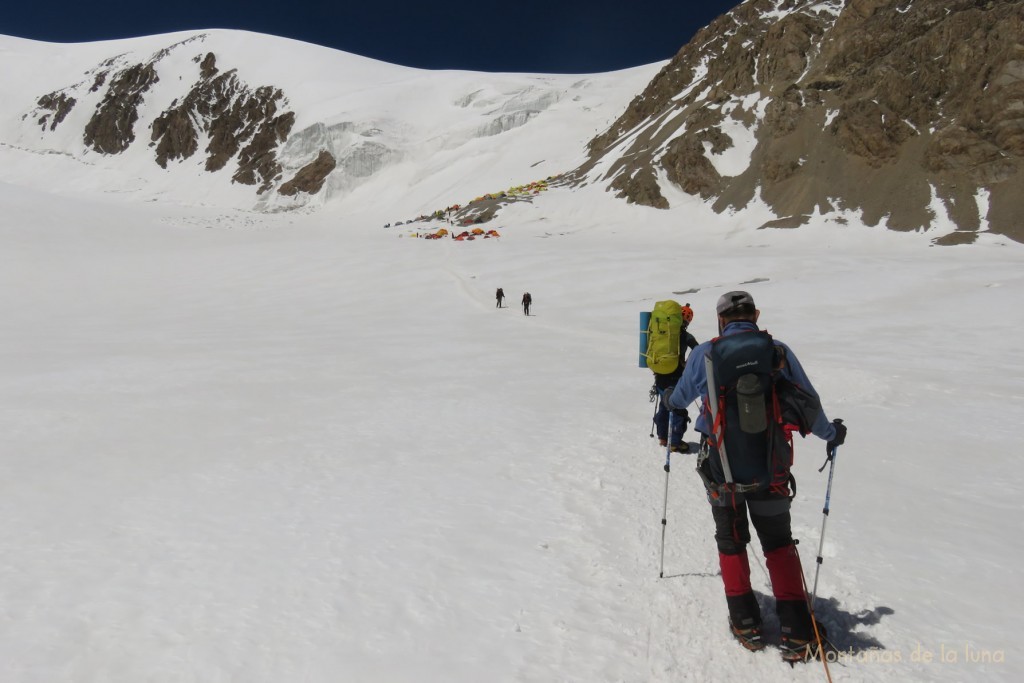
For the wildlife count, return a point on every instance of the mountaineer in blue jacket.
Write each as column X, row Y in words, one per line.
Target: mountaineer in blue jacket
column 757, row 490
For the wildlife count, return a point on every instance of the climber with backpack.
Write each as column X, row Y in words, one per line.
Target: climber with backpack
column 755, row 396
column 667, row 343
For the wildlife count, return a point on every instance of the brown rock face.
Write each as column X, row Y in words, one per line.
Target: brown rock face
column 310, row 178
column 872, row 106
column 243, row 124
column 863, row 128
column 641, row 187
column 176, row 136
column 112, row 128
column 257, row 162
column 57, row 105
column 688, row 168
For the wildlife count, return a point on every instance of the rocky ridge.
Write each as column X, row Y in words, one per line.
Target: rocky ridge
column 238, row 123
column 899, row 110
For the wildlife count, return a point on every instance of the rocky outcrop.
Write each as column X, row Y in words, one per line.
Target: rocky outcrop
column 175, row 134
column 872, row 106
column 240, row 124
column 56, row 106
column 112, row 127
column 310, row 178
column 257, row 161
column 686, row 166
column 641, row 186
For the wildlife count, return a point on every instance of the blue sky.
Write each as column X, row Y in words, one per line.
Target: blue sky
column 530, row 36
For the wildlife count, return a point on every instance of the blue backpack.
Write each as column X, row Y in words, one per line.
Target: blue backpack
column 753, row 412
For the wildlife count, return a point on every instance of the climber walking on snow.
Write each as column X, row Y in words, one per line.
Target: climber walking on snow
column 673, row 319
column 755, row 395
column 527, row 300
column 500, row 296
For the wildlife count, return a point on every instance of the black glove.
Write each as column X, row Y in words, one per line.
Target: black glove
column 839, row 439
column 678, row 412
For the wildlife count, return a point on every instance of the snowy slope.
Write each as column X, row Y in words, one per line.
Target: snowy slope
column 299, row 447
column 421, row 139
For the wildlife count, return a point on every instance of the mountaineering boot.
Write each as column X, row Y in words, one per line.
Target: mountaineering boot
column 798, row 643
column 681, row 447
column 745, row 619
column 749, row 637
column 794, row 650
column 662, row 442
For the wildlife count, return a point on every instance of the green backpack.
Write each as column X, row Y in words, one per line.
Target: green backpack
column 663, row 337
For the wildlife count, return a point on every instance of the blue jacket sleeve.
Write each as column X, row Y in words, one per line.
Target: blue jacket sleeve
column 793, row 371
column 693, row 384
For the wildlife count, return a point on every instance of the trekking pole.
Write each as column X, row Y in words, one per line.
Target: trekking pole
column 664, row 510
column 824, row 521
column 818, row 637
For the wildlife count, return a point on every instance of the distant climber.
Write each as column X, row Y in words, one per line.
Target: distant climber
column 500, row 296
column 527, row 300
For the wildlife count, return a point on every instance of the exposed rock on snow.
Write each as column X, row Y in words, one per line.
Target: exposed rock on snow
column 112, row 128
column 57, row 106
column 310, row 178
column 237, row 122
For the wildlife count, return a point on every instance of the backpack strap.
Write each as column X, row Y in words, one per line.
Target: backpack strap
column 717, row 407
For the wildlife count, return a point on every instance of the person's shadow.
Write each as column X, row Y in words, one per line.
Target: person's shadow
column 846, row 638
column 840, row 624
